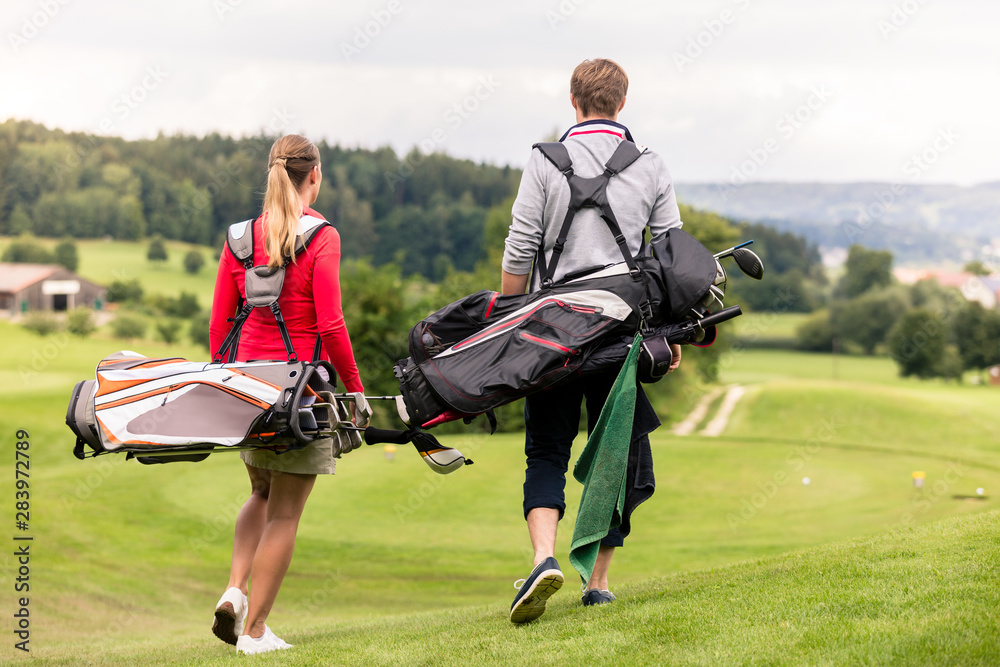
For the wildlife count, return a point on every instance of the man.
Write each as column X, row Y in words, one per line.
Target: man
column 641, row 195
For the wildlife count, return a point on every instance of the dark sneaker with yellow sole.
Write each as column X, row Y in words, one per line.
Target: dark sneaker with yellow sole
column 534, row 591
column 596, row 596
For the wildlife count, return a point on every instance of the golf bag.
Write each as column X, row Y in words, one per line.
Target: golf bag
column 488, row 349
column 173, row 409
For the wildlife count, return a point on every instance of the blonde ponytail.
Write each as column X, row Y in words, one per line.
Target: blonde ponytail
column 292, row 158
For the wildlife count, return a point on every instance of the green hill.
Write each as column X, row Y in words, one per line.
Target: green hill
column 105, row 261
column 734, row 560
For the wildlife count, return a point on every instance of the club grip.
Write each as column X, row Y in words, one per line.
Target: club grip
column 378, row 436
column 721, row 316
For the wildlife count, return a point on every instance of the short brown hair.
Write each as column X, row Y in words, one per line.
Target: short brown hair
column 599, row 87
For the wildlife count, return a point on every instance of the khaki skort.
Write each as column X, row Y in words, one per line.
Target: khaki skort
column 315, row 458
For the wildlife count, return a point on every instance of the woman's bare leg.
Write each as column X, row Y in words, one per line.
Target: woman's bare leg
column 285, row 503
column 249, row 528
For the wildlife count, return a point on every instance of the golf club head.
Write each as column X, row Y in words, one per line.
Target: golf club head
column 404, row 414
column 438, row 458
column 749, row 263
column 720, row 275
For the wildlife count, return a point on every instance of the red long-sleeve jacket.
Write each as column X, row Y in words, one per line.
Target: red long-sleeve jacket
column 310, row 304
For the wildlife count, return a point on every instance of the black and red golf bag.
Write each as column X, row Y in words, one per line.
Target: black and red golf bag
column 488, row 349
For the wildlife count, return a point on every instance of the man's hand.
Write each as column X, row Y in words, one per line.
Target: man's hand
column 675, row 348
column 513, row 284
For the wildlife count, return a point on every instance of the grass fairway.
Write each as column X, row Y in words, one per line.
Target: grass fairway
column 734, row 560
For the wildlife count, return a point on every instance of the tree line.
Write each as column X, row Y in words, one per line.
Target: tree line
column 425, row 229
column 423, row 212
column 929, row 330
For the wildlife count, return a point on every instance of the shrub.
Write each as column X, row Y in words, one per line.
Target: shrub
column 918, row 343
column 183, row 306
column 199, row 330
column 168, row 330
column 816, row 333
column 128, row 326
column 41, row 322
column 66, row 255
column 193, row 261
column 26, row 250
column 80, row 322
column 157, row 250
column 121, row 291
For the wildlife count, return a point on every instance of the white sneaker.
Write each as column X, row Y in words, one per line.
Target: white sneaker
column 247, row 645
column 230, row 614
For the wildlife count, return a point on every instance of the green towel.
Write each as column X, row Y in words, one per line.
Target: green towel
column 602, row 468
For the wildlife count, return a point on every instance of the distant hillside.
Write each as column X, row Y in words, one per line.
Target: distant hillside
column 916, row 222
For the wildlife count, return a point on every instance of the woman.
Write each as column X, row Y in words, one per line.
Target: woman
column 310, row 303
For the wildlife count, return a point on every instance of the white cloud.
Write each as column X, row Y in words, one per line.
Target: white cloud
column 228, row 73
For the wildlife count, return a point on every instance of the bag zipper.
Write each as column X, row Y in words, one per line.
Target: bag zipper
column 542, row 341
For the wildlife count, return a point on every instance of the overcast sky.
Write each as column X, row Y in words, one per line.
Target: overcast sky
column 892, row 90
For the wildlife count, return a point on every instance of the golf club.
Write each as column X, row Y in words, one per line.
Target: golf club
column 749, row 262
column 729, row 251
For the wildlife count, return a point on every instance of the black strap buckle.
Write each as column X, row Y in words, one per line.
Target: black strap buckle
column 646, row 315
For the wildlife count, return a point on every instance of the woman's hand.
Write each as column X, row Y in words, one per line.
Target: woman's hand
column 361, row 412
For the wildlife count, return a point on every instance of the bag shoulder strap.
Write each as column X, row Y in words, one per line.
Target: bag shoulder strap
column 309, row 227
column 240, row 239
column 624, row 155
column 587, row 192
column 557, row 154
